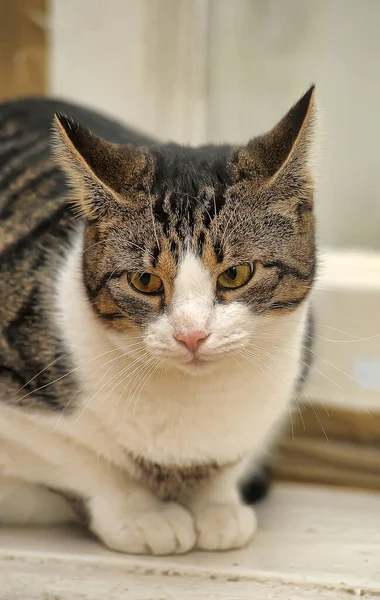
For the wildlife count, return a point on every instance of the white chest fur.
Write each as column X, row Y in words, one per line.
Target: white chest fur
column 168, row 416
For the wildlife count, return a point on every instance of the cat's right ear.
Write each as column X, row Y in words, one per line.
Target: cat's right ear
column 285, row 152
column 103, row 176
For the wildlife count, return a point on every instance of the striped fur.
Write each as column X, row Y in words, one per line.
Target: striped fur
column 74, row 227
column 36, row 226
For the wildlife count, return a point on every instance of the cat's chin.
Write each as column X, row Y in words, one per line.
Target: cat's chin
column 197, row 366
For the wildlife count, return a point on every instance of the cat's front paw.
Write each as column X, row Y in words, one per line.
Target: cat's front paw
column 224, row 526
column 168, row 528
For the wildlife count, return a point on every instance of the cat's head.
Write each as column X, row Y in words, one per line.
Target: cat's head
column 191, row 250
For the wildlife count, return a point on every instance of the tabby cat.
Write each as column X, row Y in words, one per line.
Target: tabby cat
column 151, row 327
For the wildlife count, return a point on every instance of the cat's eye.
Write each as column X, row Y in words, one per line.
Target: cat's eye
column 236, row 276
column 146, row 283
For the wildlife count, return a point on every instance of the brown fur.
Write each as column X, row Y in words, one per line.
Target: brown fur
column 266, row 218
column 171, row 482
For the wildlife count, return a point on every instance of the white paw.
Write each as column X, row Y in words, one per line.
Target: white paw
column 168, row 528
column 224, row 526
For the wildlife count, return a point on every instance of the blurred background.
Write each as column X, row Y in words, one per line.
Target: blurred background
column 200, row 71
column 196, row 71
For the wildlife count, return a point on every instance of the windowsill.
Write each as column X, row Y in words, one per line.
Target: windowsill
column 312, row 542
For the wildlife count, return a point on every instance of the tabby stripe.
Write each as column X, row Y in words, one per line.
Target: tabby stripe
column 108, row 316
column 32, row 265
column 290, row 304
column 15, row 134
column 14, row 375
column 12, row 174
column 31, row 364
column 287, row 270
column 132, row 307
column 19, row 165
column 13, row 260
column 93, row 292
column 30, row 186
column 18, row 147
column 155, row 254
column 138, row 309
column 42, row 227
column 24, row 311
column 103, row 315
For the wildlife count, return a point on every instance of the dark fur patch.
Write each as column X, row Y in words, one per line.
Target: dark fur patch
column 218, row 251
column 174, row 250
column 155, row 255
column 171, row 482
column 201, row 242
column 256, row 488
column 78, row 504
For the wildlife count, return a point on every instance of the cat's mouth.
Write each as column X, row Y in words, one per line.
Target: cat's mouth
column 200, row 362
column 197, row 364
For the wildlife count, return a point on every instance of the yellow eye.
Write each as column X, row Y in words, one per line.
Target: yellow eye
column 235, row 277
column 146, row 283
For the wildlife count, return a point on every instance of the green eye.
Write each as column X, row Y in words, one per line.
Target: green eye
column 236, row 276
column 146, row 283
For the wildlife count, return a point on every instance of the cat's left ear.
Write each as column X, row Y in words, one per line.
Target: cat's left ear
column 103, row 175
column 286, row 151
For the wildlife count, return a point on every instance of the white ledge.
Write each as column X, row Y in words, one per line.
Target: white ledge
column 313, row 542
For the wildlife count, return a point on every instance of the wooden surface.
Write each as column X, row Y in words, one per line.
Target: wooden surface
column 312, row 543
column 23, row 48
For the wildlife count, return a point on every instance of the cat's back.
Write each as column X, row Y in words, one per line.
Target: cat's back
column 32, row 188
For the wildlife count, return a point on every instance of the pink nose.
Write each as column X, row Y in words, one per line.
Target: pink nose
column 192, row 339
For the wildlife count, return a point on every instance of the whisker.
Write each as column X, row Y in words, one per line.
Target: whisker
column 104, row 385
column 202, row 204
column 143, row 250
column 330, row 364
column 311, row 405
column 71, row 352
column 130, row 382
column 113, row 362
column 95, row 244
column 253, row 359
column 138, row 375
column 315, row 369
column 71, row 372
column 153, row 368
column 128, row 371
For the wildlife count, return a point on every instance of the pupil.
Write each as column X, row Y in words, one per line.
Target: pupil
column 145, row 279
column 231, row 273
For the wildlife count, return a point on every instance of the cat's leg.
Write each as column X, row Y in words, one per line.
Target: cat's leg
column 26, row 504
column 222, row 521
column 128, row 518
column 118, row 510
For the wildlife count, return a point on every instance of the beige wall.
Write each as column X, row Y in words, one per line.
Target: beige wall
column 140, row 60
column 224, row 70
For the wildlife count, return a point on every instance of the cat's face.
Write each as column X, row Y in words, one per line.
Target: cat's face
column 191, row 252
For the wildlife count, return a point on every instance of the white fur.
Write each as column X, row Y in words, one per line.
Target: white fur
column 155, row 401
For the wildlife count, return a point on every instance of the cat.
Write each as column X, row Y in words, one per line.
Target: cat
column 154, row 303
